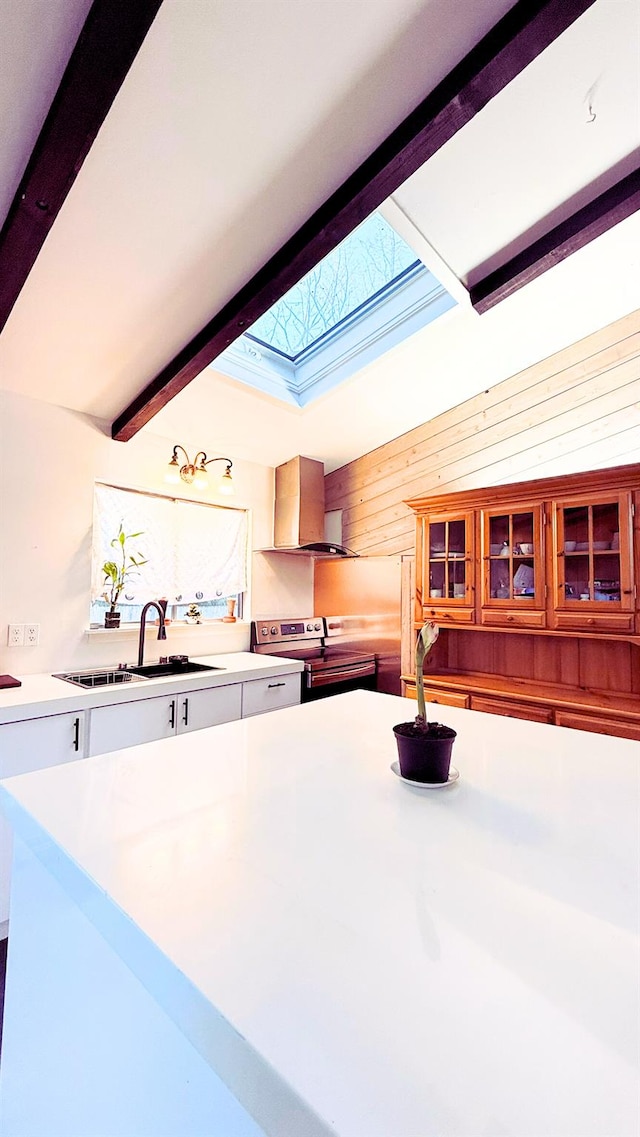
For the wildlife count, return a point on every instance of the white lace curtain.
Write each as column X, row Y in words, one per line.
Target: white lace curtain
column 193, row 551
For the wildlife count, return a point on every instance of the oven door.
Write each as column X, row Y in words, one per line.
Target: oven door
column 333, row 679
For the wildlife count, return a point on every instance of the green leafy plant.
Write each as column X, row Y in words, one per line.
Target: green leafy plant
column 117, row 573
column 426, row 638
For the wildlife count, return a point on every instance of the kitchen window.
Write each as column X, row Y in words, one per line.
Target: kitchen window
column 195, row 553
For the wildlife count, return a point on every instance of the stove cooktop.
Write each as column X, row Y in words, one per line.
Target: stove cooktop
column 317, row 657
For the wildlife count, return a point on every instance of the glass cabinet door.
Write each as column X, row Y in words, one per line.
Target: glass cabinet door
column 593, row 554
column 513, row 558
column 448, row 565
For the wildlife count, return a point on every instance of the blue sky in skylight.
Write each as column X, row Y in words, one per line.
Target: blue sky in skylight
column 363, row 265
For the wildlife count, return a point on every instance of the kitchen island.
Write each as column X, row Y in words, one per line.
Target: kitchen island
column 258, row 928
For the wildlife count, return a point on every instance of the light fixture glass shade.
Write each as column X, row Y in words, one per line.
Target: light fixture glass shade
column 225, row 485
column 172, row 473
column 200, row 480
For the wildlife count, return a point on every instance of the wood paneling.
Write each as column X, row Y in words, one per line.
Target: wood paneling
column 577, row 410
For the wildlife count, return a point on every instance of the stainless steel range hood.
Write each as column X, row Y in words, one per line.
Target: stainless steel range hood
column 299, row 518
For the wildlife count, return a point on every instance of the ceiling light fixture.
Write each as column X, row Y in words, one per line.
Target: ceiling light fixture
column 195, row 473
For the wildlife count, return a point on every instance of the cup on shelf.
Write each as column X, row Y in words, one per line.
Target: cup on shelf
column 584, row 595
column 526, row 547
column 458, row 590
column 495, row 550
column 436, row 593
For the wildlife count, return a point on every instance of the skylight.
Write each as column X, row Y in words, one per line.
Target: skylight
column 369, row 261
column 365, row 296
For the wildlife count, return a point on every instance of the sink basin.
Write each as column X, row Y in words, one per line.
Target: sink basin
column 175, row 667
column 105, row 676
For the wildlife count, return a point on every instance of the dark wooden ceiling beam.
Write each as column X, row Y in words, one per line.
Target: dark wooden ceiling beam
column 594, row 219
column 110, row 39
column 517, row 39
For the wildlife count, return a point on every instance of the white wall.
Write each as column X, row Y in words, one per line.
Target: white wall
column 49, row 460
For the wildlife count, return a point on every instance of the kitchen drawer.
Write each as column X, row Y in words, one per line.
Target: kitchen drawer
column 260, row 695
column 594, row 621
column 512, row 710
column 449, row 615
column 510, row 619
column 599, row 724
column 446, row 698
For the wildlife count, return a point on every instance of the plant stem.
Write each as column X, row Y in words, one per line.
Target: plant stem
column 426, row 639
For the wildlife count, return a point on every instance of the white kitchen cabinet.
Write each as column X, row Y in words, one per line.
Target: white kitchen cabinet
column 32, row 745
column 128, row 724
column 146, row 720
column 261, row 695
column 198, row 709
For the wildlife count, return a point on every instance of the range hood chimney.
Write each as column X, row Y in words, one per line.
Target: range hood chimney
column 299, row 510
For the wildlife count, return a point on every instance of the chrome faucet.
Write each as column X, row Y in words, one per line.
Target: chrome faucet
column 162, row 631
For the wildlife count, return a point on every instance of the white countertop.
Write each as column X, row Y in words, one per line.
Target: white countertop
column 45, row 695
column 410, row 962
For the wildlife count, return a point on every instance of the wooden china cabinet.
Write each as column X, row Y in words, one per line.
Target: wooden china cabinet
column 535, row 588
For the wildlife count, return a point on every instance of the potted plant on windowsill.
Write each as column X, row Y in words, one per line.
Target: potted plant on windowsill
column 117, row 573
column 424, row 748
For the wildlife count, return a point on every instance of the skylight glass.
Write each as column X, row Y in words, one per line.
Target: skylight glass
column 368, row 294
column 369, row 261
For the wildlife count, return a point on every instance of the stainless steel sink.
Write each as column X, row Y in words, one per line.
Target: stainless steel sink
column 106, row 676
column 173, row 667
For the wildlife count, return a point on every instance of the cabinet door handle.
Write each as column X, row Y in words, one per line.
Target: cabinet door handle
column 172, row 714
column 76, row 734
column 185, row 717
column 276, row 685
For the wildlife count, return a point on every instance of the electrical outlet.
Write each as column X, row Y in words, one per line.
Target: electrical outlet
column 15, row 637
column 31, row 635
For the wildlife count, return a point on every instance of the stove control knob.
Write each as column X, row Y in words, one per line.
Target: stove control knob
column 309, row 627
column 274, row 631
column 265, row 631
column 317, row 627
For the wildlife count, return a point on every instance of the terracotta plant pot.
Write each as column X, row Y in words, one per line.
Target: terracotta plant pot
column 424, row 755
column 112, row 619
column 231, row 607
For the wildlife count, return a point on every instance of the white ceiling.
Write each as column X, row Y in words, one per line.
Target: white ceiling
column 533, row 150
column 236, row 121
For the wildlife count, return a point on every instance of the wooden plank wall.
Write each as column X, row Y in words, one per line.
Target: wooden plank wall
column 576, row 410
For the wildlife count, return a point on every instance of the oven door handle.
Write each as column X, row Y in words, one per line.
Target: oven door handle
column 336, row 674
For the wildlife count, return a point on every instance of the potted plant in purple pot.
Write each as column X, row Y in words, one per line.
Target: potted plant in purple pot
column 424, row 748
